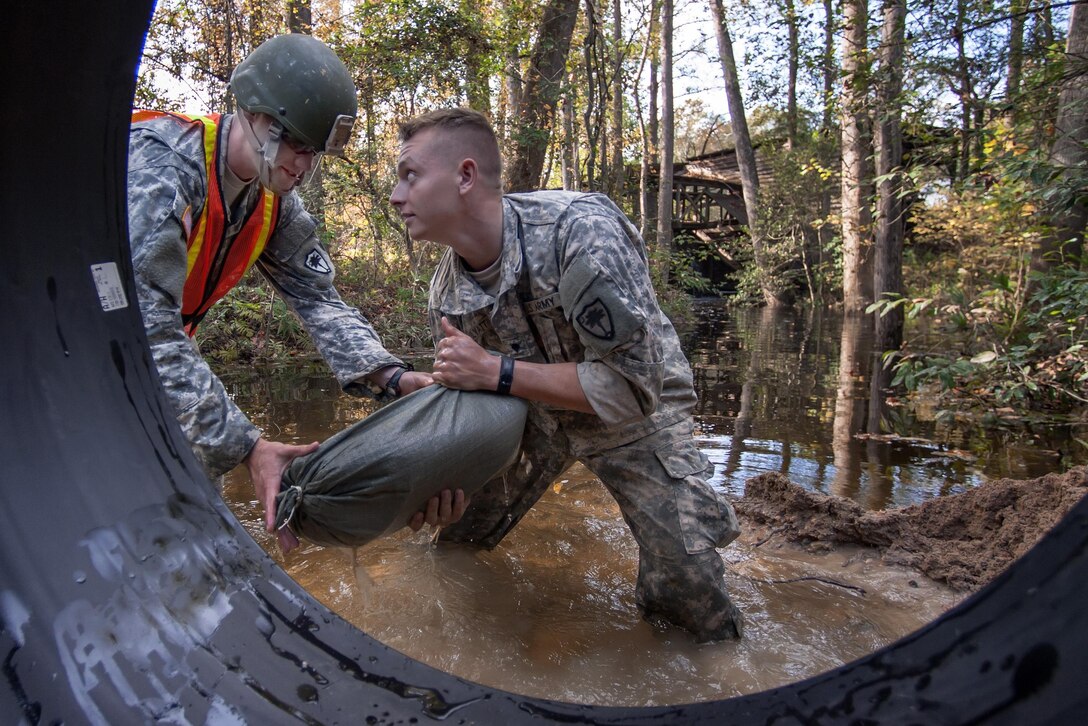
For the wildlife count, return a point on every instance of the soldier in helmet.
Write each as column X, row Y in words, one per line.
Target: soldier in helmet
column 547, row 296
column 210, row 196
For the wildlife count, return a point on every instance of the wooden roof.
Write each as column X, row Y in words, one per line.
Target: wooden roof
column 720, row 166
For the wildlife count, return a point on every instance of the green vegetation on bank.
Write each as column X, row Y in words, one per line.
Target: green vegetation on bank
column 252, row 325
column 994, row 325
column 1000, row 346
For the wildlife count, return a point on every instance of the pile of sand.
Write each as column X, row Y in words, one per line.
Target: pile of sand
column 963, row 540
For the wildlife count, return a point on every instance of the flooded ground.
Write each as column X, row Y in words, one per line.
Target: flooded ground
column 550, row 612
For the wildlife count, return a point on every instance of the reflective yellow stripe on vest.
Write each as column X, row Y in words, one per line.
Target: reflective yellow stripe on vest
column 209, row 165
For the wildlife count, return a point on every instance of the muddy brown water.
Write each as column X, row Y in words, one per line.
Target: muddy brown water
column 551, row 612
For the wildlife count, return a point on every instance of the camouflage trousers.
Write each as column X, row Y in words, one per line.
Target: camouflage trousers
column 676, row 517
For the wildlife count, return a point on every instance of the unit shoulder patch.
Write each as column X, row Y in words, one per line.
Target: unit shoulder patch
column 596, row 319
column 317, row 262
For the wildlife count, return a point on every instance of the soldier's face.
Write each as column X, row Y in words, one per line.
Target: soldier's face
column 293, row 163
column 426, row 195
column 281, row 161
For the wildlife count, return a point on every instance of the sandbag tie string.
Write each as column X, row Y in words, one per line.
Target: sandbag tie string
column 292, row 498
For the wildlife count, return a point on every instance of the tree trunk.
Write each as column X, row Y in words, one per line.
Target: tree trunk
column 965, row 90
column 477, row 90
column 512, row 93
column 888, row 250
column 1069, row 154
column 618, row 171
column 544, row 81
column 664, row 191
column 591, row 116
column 857, row 279
column 746, row 156
column 849, row 416
column 793, row 61
column 570, row 143
column 649, row 220
column 600, row 80
column 817, row 244
column 300, row 20
column 829, row 71
column 228, row 52
column 1017, row 10
column 300, row 17
column 643, row 165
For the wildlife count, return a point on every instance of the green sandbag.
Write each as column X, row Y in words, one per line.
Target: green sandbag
column 369, row 479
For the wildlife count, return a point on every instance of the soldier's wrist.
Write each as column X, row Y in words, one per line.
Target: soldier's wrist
column 390, row 389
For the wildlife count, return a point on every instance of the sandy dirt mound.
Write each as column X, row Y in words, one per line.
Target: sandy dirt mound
column 963, row 540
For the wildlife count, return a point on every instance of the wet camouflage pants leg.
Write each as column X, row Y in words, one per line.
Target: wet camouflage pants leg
column 678, row 520
column 675, row 516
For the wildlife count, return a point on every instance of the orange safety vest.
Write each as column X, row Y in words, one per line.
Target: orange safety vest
column 214, row 263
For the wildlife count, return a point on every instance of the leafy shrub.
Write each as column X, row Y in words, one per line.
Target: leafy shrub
column 250, row 324
column 1016, row 348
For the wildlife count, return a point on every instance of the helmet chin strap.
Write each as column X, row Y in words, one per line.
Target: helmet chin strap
column 266, row 150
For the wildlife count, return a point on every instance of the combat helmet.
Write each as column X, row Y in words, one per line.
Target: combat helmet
column 301, row 83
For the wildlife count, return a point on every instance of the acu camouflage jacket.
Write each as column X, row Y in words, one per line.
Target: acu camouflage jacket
column 167, row 186
column 575, row 287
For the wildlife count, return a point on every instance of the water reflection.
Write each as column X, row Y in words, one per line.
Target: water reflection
column 797, row 392
column 551, row 611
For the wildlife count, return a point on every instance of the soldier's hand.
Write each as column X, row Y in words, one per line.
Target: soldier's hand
column 461, row 363
column 444, row 508
column 413, row 381
column 266, row 463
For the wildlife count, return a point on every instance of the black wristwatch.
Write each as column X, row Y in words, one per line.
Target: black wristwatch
column 506, row 375
column 391, row 390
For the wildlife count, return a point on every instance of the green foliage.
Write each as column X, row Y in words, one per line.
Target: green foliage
column 196, row 44
column 1018, row 345
column 395, row 303
column 674, row 295
column 413, row 53
column 689, row 254
column 747, row 279
column 802, row 254
column 251, row 324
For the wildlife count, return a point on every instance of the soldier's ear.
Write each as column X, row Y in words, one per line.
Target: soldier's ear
column 468, row 175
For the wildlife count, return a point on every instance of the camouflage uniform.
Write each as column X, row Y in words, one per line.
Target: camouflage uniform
column 167, row 187
column 575, row 287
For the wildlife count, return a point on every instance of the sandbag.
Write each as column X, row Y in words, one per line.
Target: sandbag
column 369, row 479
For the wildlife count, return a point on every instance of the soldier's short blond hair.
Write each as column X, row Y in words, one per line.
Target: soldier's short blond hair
column 475, row 137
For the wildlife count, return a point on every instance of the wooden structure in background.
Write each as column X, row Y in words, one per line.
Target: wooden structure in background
column 708, row 205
